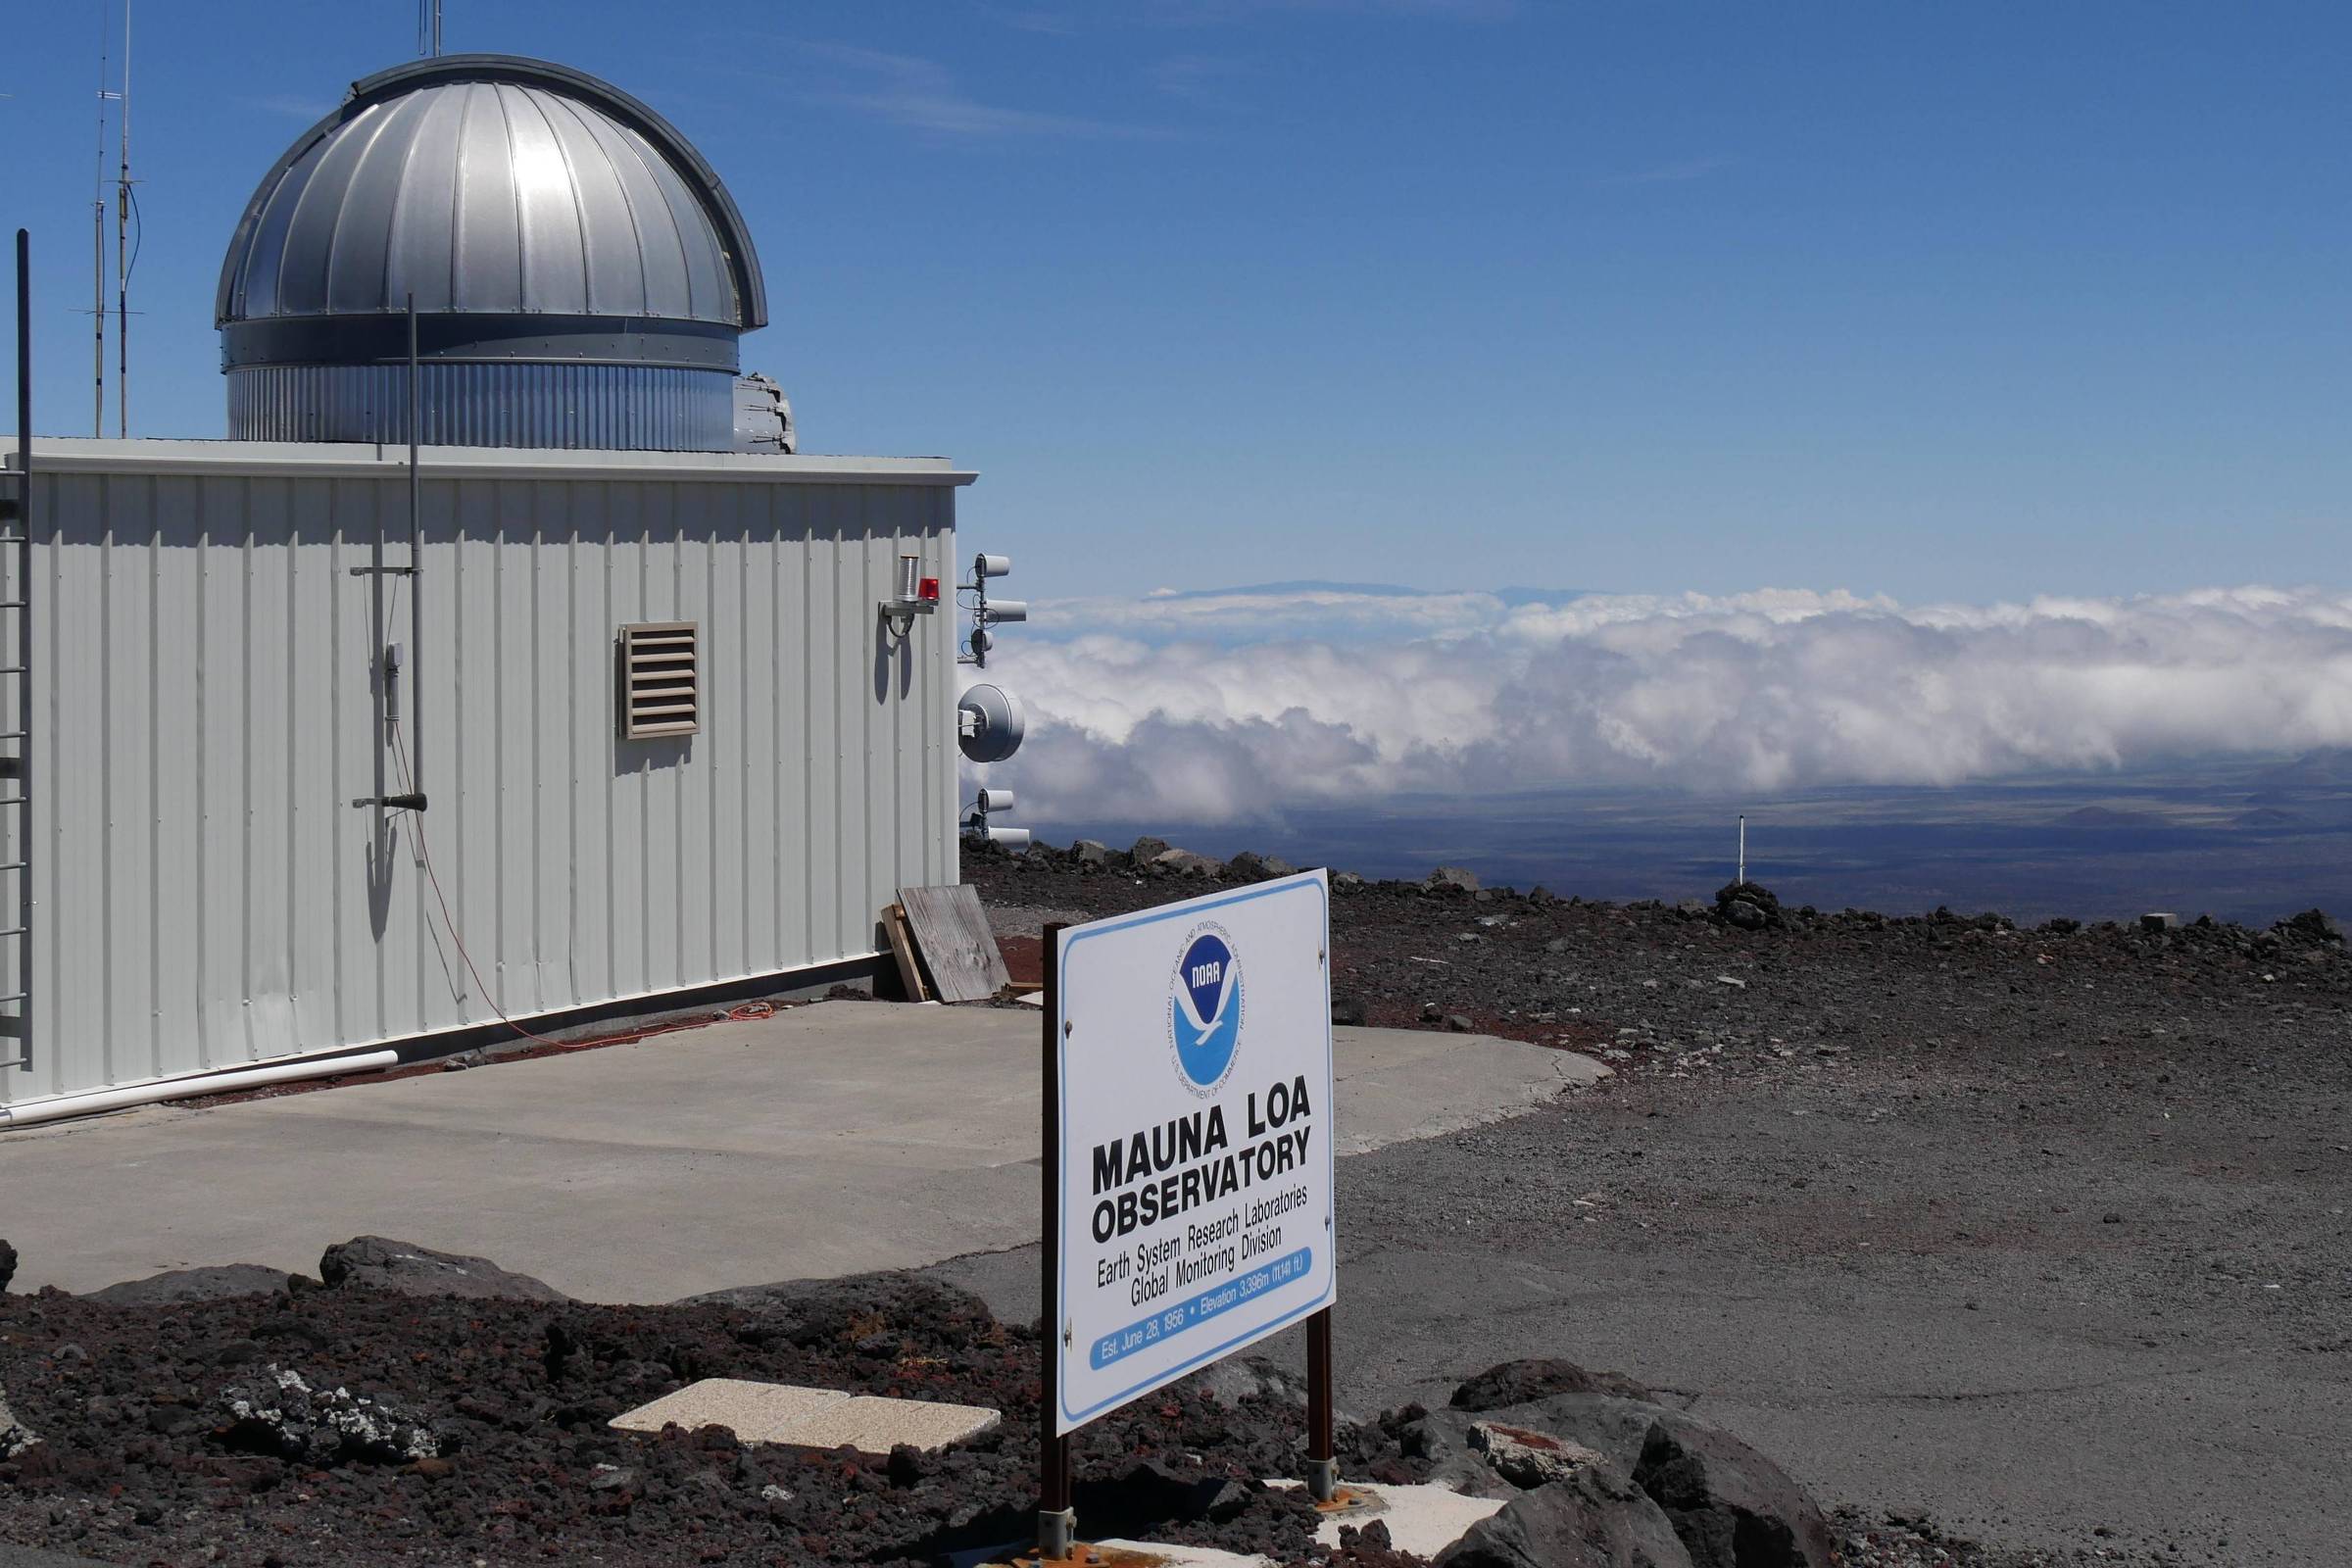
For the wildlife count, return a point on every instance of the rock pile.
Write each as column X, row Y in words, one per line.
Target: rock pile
column 372, row 1262
column 279, row 1413
column 16, row 1438
column 1598, row 1471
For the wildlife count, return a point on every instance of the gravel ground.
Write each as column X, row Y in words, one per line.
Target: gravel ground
column 2030, row 1237
column 482, row 1434
column 2019, row 1248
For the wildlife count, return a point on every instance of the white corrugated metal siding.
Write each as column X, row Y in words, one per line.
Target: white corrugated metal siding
column 209, row 898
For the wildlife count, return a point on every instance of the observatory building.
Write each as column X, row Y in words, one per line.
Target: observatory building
column 334, row 749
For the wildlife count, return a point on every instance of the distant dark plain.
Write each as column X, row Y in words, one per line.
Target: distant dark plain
column 2245, row 839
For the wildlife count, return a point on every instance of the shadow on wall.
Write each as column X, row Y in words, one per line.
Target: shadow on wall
column 892, row 650
column 644, row 756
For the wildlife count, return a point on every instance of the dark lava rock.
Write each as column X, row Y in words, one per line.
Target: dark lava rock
column 1596, row 1520
column 16, row 1438
column 405, row 1268
column 1523, row 1382
column 1089, row 851
column 1750, row 906
column 8, row 1264
column 1237, row 1380
column 279, row 1413
column 1729, row 1506
column 1452, row 877
column 873, row 1313
column 195, row 1285
column 2312, row 925
column 1348, row 1010
column 1147, row 850
column 1184, row 862
column 517, row 1395
column 1732, row 1507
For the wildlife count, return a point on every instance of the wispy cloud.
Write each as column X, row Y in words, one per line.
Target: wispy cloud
column 910, row 90
column 1338, row 700
column 1443, row 10
column 1208, row 13
column 1674, row 173
column 1032, row 19
column 1204, row 82
column 291, row 105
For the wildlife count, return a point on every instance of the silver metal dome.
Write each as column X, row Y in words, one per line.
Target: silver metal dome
column 580, row 274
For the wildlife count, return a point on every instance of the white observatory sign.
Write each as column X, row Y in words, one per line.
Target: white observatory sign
column 1192, row 1130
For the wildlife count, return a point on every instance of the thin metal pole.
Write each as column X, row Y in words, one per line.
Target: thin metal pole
column 23, row 596
column 378, row 672
column 415, row 562
column 98, row 248
column 122, row 250
column 1322, row 1459
column 98, row 315
column 1744, row 849
column 1057, row 1522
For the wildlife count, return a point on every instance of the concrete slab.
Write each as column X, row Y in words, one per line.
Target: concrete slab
column 828, row 1139
column 811, row 1418
column 1421, row 1520
column 1116, row 1554
column 1158, row 1554
column 871, row 1424
column 756, row 1412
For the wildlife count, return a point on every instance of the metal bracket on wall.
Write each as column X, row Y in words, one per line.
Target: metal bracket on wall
column 393, row 803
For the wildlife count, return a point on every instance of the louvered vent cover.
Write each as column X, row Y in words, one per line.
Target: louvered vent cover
column 660, row 680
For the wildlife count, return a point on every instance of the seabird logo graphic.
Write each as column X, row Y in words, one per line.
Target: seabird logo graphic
column 1204, row 1009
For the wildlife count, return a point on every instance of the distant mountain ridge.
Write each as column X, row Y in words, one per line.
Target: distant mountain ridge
column 1511, row 598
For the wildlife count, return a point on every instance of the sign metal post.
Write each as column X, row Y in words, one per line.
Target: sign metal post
column 1322, row 1462
column 1056, row 1521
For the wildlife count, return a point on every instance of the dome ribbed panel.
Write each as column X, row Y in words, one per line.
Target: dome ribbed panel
column 485, row 197
column 601, row 407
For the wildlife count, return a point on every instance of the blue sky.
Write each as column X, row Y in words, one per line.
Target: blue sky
column 1955, row 302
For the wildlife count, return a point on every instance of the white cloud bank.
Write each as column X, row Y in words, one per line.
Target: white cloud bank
column 1212, row 709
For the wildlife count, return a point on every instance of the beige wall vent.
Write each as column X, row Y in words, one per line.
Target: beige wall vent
column 660, row 680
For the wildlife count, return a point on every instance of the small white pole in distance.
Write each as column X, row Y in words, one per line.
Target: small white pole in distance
column 1744, row 849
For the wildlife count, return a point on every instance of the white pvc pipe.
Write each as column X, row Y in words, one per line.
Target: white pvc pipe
column 221, row 1082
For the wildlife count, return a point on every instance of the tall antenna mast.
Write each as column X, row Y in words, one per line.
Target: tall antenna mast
column 98, row 247
column 122, row 250
column 429, row 28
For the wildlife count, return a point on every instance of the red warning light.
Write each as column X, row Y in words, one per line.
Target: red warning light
column 928, row 591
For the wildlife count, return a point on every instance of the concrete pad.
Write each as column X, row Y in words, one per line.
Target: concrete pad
column 871, row 1424
column 1421, row 1520
column 756, row 1412
column 811, row 1418
column 1397, row 1085
column 1158, row 1554
column 828, row 1139
column 1117, row 1554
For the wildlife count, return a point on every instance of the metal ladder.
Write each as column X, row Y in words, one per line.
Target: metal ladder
column 15, row 713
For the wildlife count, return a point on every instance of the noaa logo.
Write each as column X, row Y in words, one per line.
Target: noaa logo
column 1204, row 1012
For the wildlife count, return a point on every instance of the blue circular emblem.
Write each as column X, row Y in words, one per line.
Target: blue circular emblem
column 1204, row 1009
